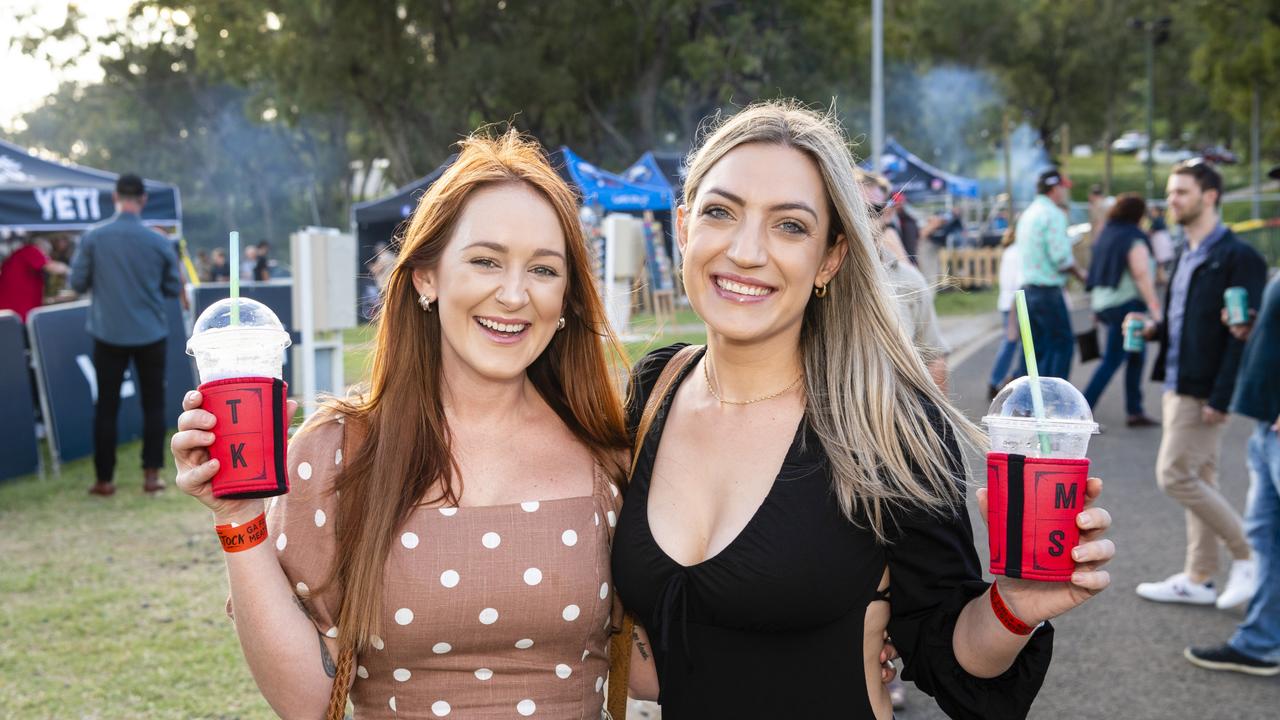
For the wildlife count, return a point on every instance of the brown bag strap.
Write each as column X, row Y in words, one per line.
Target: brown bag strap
column 620, row 643
column 352, row 436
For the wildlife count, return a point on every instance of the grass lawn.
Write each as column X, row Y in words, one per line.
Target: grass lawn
column 956, row 301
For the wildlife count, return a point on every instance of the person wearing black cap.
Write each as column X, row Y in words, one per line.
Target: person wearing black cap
column 1045, row 248
column 130, row 270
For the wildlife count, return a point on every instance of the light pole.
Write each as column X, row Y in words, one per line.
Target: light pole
column 1156, row 31
column 877, row 83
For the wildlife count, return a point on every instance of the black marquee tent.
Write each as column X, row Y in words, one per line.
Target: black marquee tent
column 37, row 194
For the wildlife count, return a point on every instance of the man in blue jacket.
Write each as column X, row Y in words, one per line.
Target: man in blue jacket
column 1198, row 362
column 1255, row 646
column 130, row 269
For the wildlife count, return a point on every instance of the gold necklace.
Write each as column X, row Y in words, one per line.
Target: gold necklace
column 706, row 373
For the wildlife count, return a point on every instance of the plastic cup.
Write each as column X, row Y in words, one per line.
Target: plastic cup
column 1237, row 301
column 1034, row 493
column 1134, row 342
column 240, row 365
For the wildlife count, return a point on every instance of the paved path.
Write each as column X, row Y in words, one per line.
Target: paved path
column 1120, row 656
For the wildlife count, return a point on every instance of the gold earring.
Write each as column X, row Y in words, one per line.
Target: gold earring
column 820, row 291
column 560, row 325
column 425, row 302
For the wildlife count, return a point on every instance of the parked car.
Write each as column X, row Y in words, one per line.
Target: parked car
column 1130, row 142
column 1166, row 154
column 1219, row 155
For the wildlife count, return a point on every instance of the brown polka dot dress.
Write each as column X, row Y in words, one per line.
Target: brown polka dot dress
column 489, row 612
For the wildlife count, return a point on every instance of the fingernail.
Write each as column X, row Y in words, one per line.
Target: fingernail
column 1076, row 555
column 1083, row 519
column 1077, row 578
column 191, row 396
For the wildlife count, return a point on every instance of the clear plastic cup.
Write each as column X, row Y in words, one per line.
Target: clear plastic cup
column 1068, row 423
column 253, row 348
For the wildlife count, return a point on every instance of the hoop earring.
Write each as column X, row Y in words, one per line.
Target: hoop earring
column 820, row 291
column 425, row 302
column 560, row 325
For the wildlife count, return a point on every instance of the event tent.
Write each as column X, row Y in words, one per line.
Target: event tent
column 37, row 194
column 613, row 192
column 918, row 179
column 661, row 169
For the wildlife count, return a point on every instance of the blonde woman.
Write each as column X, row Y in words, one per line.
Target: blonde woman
column 449, row 531
column 800, row 489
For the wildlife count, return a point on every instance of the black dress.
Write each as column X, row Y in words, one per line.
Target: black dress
column 772, row 626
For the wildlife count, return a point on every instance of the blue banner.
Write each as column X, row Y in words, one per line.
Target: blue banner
column 613, row 192
column 17, row 411
column 278, row 296
column 64, row 368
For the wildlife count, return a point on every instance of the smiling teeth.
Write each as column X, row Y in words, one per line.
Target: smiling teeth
column 741, row 289
column 502, row 327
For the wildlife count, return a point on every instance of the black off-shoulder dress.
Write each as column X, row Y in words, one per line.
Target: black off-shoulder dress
column 772, row 626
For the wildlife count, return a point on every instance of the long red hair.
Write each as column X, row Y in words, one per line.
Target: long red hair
column 404, row 458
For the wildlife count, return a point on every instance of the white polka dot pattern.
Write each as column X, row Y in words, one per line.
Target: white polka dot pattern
column 537, row 584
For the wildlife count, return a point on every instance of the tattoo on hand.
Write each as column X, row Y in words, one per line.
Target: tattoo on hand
column 635, row 637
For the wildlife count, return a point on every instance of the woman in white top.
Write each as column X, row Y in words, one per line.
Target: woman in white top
column 1010, row 282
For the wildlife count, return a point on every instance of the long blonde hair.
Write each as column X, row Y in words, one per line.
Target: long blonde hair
column 404, row 457
column 884, row 425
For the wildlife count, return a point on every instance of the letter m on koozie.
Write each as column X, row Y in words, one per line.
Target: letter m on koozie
column 1064, row 498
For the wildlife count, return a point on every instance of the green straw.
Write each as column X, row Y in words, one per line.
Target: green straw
column 235, row 278
column 1033, row 372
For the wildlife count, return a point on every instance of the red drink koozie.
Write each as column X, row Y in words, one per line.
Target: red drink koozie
column 250, row 437
column 1032, row 505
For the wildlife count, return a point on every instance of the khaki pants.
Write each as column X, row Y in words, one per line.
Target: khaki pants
column 1187, row 471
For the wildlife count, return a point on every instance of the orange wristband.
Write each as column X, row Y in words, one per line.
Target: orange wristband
column 1006, row 616
column 242, row 537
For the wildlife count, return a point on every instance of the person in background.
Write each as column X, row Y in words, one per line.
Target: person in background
column 22, row 277
column 1122, row 281
column 219, row 266
column 249, row 263
column 262, row 265
column 1162, row 249
column 131, row 269
column 1198, row 362
column 1047, row 262
column 1097, row 210
column 1010, row 283
column 908, row 227
column 202, row 265
column 1254, row 648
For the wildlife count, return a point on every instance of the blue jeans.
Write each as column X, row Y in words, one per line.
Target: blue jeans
column 1114, row 356
column 1005, row 355
column 1259, row 635
column 1051, row 330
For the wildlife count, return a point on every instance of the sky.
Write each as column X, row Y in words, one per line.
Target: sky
column 28, row 80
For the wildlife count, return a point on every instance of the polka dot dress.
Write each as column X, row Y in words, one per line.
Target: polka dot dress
column 489, row 612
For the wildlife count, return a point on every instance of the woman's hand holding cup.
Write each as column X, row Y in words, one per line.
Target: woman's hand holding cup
column 1034, row 601
column 190, row 446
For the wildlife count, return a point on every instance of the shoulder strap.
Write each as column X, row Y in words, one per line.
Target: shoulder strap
column 352, row 436
column 620, row 643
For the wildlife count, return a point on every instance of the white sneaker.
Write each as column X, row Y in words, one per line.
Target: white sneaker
column 1242, row 583
column 1178, row 589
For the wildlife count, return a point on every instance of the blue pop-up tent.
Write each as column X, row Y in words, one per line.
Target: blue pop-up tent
column 609, row 191
column 37, row 194
column 918, row 179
